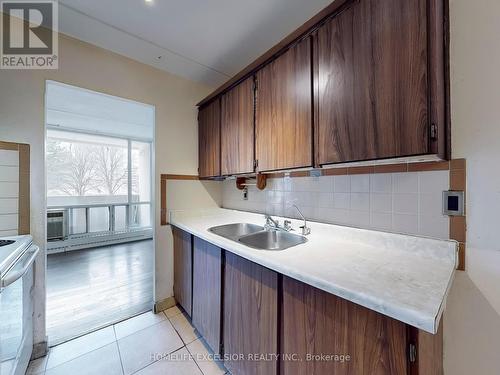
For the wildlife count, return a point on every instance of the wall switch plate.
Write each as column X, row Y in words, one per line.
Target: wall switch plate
column 245, row 194
column 453, row 203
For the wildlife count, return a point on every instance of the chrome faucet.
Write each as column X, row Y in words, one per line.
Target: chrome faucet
column 274, row 224
column 305, row 229
column 271, row 223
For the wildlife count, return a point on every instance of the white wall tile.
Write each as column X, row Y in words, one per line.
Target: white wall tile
column 340, row 216
column 342, row 200
column 380, row 202
column 341, row 184
column 380, row 220
column 274, row 209
column 434, row 226
column 275, row 197
column 325, row 214
column 324, row 200
column 430, row 204
column 301, row 184
column 360, row 201
column 360, row 218
column 323, row 184
column 360, row 183
column 405, row 223
column 405, row 183
column 400, row 202
column 433, row 181
column 405, row 203
column 381, row 183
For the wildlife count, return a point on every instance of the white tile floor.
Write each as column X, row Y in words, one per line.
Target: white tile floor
column 147, row 344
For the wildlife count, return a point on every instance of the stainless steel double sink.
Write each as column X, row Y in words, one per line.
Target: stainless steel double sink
column 257, row 237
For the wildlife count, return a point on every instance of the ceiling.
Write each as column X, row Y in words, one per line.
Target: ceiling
column 207, row 41
column 73, row 108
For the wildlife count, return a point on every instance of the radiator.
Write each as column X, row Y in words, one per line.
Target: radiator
column 56, row 225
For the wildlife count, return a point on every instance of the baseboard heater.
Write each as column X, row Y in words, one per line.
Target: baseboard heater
column 90, row 240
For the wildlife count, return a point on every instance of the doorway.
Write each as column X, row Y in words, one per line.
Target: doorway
column 100, row 204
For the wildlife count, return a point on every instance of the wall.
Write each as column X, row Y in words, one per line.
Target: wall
column 472, row 318
column 80, row 64
column 399, row 202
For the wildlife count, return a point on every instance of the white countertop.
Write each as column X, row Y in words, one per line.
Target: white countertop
column 404, row 277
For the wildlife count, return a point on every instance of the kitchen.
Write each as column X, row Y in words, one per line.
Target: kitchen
column 331, row 197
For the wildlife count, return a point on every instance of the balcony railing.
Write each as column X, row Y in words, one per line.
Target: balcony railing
column 83, row 219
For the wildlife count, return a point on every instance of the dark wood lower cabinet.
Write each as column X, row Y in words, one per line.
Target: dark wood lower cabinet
column 325, row 334
column 270, row 324
column 207, row 284
column 250, row 317
column 183, row 276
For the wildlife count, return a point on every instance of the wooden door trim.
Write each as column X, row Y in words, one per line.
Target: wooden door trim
column 163, row 192
column 23, row 215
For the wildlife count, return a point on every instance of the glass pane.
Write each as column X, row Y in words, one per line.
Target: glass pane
column 140, row 216
column 99, row 219
column 120, row 218
column 141, row 172
column 86, row 169
column 78, row 221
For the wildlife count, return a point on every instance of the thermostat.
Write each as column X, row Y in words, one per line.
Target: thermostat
column 453, row 203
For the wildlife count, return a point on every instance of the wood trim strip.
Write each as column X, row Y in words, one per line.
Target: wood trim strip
column 24, row 190
column 430, row 166
column 23, row 216
column 9, row 146
column 178, row 177
column 391, row 168
column 163, row 192
column 455, row 165
column 458, row 224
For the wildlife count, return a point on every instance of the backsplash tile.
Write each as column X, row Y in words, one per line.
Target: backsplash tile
column 407, row 202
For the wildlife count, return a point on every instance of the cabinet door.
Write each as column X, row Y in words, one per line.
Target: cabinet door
column 237, row 129
column 183, row 268
column 209, row 139
column 284, row 111
column 250, row 316
column 207, row 285
column 371, row 82
column 315, row 322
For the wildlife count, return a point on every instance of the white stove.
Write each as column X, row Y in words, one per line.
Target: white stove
column 11, row 248
column 17, row 255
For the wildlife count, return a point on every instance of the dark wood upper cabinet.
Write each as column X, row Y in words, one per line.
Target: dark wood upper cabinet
column 237, row 129
column 183, row 276
column 371, row 82
column 207, row 294
column 283, row 123
column 250, row 322
column 367, row 78
column 209, row 140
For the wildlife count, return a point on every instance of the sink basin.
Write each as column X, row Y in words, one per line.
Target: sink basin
column 235, row 231
column 272, row 240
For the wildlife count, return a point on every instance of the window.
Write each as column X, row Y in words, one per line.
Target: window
column 105, row 182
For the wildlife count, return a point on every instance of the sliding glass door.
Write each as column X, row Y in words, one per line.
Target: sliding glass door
column 103, row 183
